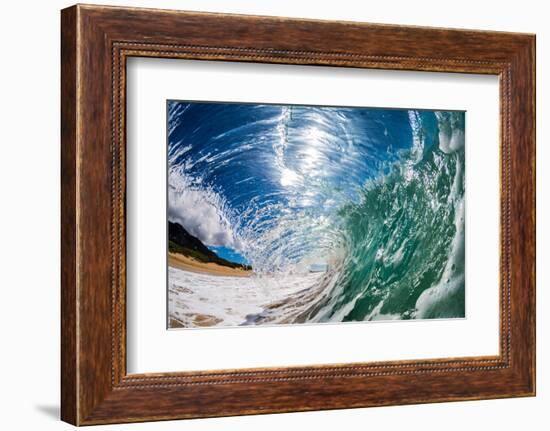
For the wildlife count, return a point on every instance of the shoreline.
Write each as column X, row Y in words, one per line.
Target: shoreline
column 179, row 261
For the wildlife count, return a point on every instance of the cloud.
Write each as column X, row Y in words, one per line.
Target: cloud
column 200, row 212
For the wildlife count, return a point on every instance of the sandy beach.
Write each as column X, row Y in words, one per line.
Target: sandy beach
column 180, row 261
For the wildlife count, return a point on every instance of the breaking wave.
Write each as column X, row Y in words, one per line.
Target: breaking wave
column 365, row 206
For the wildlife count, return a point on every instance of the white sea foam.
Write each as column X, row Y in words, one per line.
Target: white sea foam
column 451, row 131
column 438, row 300
column 231, row 301
column 201, row 211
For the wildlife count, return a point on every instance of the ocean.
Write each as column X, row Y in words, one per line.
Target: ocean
column 344, row 214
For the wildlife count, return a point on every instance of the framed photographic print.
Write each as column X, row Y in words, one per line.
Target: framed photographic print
column 324, row 214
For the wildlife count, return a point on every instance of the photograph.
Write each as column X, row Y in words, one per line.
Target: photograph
column 275, row 215
column 303, row 214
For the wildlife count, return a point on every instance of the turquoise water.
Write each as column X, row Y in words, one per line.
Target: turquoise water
column 403, row 239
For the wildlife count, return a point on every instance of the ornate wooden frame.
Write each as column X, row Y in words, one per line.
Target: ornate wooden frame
column 95, row 43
